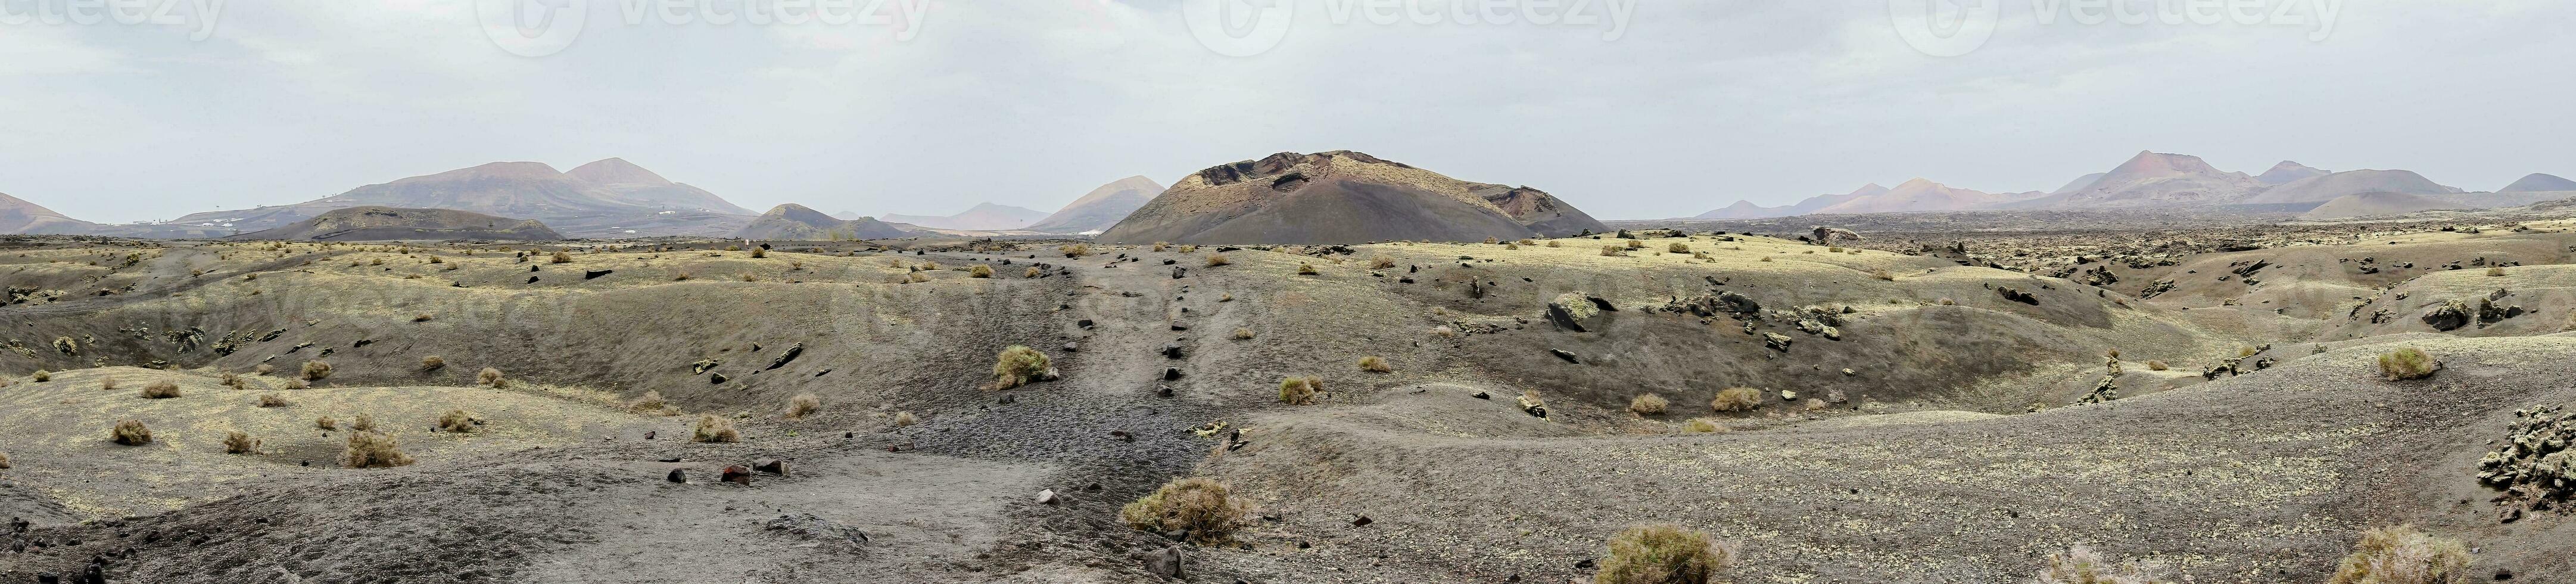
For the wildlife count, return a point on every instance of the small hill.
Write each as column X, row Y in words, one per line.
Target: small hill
column 1342, row 197
column 1923, row 195
column 637, row 185
column 797, row 222
column 1743, row 209
column 2376, row 204
column 1748, row 210
column 1101, row 208
column 982, row 217
column 2539, row 183
column 2319, row 189
column 2154, row 179
column 390, row 223
column 2080, row 182
column 17, row 216
column 2287, row 172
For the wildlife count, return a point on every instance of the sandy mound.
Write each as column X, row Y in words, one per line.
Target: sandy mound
column 389, row 223
column 1342, row 197
column 798, row 223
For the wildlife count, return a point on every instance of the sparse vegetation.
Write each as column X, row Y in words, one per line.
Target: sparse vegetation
column 2081, row 565
column 365, row 422
column 1736, row 399
column 905, row 418
column 163, row 389
column 2402, row 555
column 107, row 384
column 433, row 363
column 316, row 370
column 326, row 423
column 1703, row 426
column 1200, row 508
column 803, row 403
column 1613, row 251
column 2153, row 365
column 1375, row 364
column 491, row 376
column 1664, row 554
column 457, row 421
column 1074, row 250
column 271, row 400
column 979, row 271
column 296, row 384
column 1243, row 334
column 42, row 376
column 1017, row 365
column 1647, row 404
column 561, row 258
column 1298, row 391
column 1218, row 259
column 1381, row 262
column 1677, row 247
column 263, row 369
column 1306, row 269
column 237, row 442
column 651, row 401
column 129, row 432
column 1033, row 271
column 2495, row 271
column 714, row 429
column 371, row 449
column 2407, row 363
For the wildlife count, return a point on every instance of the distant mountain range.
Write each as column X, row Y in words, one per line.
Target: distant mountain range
column 795, row 222
column 2163, row 181
column 1101, row 208
column 603, row 199
column 982, row 217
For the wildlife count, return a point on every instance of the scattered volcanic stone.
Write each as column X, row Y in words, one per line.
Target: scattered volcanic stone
column 595, row 274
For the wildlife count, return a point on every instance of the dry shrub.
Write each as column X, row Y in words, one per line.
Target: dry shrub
column 233, row 380
column 1298, row 391
column 1159, row 245
column 1831, row 249
column 326, row 423
column 2407, row 363
column 370, row 449
column 1375, row 364
column 42, row 376
column 316, row 370
column 1444, row 331
column 1075, row 250
column 432, row 363
column 803, row 403
column 1736, row 399
column 1766, row 258
column 1199, row 507
column 1017, row 365
column 2081, row 565
column 1306, row 269
column 2495, row 271
column 979, row 271
column 561, row 258
column 650, row 402
column 1883, row 275
column 236, row 442
column 1647, row 404
column 363, row 423
column 1663, row 553
column 680, row 277
column 758, row 253
column 263, row 369
column 163, row 389
column 4, row 461
column 271, row 400
column 297, row 384
column 130, row 432
column 1704, row 426
column 2158, row 366
column 905, row 419
column 1634, row 244
column 915, row 278
column 714, row 429
column 1243, row 334
column 1554, row 243
column 108, row 384
column 1218, row 259
column 2401, row 555
column 1381, row 262
column 456, row 421
column 491, row 376
column 1490, row 240
column 1613, row 251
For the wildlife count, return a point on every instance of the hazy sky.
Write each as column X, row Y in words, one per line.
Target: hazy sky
column 1681, row 107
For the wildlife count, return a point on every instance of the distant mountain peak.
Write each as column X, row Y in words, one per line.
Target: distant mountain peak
column 617, row 171
column 2538, row 182
column 2288, row 171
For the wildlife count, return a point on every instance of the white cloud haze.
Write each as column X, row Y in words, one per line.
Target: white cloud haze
column 1693, row 105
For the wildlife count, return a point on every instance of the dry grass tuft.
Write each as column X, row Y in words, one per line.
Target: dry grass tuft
column 433, row 363
column 1298, row 391
column 2401, row 555
column 2153, row 365
column 163, row 389
column 1243, row 334
column 316, row 370
column 42, row 376
column 714, row 429
column 2407, row 363
column 651, row 401
column 1075, row 250
column 1218, row 259
column 1017, row 365
column 1199, row 507
column 561, row 258
column 263, row 369
column 271, row 400
column 1664, row 554
column 491, row 376
column 905, row 419
column 457, row 421
column 1736, row 399
column 1613, row 251
column 979, row 271
column 236, row 442
column 371, row 449
column 1677, row 247
column 4, row 461
column 1647, row 404
column 297, row 384
column 326, row 423
column 1704, row 426
column 130, row 432
column 2495, row 271
column 1306, row 269
column 1375, row 364
column 803, row 403
column 1381, row 262
column 108, row 384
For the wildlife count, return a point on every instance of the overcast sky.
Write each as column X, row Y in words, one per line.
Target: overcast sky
column 1681, row 107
